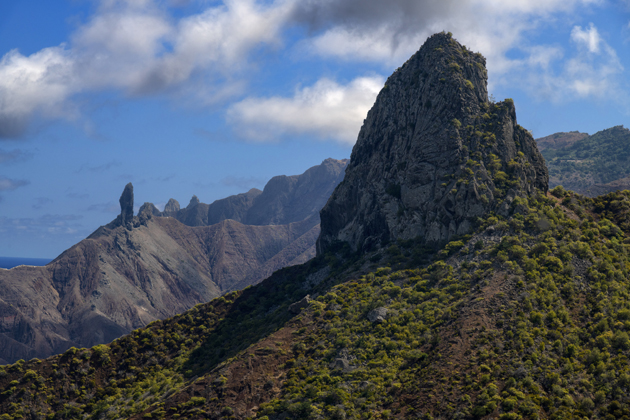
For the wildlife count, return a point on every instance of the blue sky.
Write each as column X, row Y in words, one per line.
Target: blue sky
column 213, row 98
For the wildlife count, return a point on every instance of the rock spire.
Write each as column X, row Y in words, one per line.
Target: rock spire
column 126, row 207
column 433, row 155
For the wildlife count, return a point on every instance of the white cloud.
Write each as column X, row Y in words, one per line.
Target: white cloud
column 37, row 83
column 326, row 109
column 590, row 71
column 588, row 38
column 389, row 32
column 7, row 184
column 135, row 46
column 139, row 47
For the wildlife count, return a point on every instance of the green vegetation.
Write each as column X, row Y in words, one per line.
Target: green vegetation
column 527, row 318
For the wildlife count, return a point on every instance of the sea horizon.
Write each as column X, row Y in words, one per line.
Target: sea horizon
column 10, row 262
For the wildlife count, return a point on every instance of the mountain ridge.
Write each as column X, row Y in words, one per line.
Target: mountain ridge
column 138, row 269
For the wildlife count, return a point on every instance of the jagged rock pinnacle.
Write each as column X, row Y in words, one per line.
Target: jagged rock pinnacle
column 126, row 207
column 193, row 202
column 432, row 156
column 172, row 206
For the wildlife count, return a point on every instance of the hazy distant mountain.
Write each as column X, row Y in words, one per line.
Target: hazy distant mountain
column 590, row 165
column 559, row 140
column 141, row 268
column 285, row 199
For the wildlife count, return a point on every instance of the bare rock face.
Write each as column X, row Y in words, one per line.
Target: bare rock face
column 146, row 212
column 432, row 156
column 126, row 207
column 234, row 207
column 172, row 206
column 195, row 214
column 377, row 315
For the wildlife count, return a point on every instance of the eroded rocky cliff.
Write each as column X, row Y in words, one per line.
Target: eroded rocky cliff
column 432, row 156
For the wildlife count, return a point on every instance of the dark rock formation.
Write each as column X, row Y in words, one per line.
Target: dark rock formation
column 147, row 211
column 126, row 207
column 377, row 315
column 432, row 156
column 171, row 207
column 296, row 307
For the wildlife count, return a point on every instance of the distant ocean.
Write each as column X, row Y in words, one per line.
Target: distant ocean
column 10, row 262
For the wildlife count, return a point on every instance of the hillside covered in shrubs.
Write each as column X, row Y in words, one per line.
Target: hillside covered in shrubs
column 490, row 297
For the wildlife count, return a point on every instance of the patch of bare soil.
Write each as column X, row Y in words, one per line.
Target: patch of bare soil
column 457, row 342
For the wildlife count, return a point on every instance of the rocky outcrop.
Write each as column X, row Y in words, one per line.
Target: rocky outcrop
column 126, row 207
column 171, row 207
column 296, row 307
column 284, row 200
column 195, row 214
column 377, row 315
column 432, row 156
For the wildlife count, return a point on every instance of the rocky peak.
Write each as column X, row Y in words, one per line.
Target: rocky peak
column 126, row 207
column 432, row 156
column 193, row 202
column 146, row 212
column 172, row 206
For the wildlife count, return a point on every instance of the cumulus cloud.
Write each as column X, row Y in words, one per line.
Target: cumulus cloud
column 326, row 109
column 40, row 82
column 8, row 184
column 391, row 31
column 591, row 70
column 138, row 48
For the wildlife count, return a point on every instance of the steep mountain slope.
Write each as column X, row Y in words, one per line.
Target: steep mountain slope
column 591, row 165
column 139, row 269
column 524, row 316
